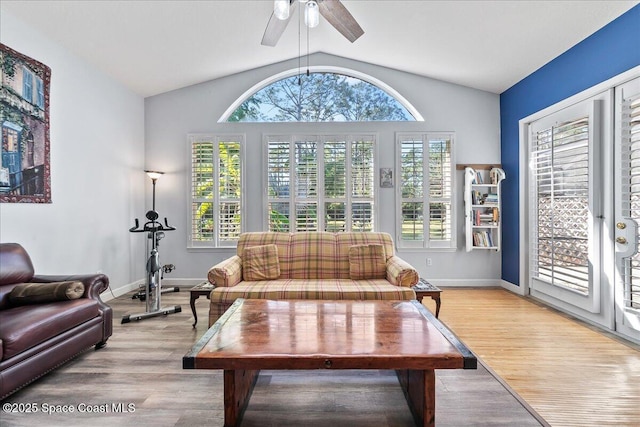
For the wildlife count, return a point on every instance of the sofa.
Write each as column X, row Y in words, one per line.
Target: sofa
column 311, row 265
column 45, row 320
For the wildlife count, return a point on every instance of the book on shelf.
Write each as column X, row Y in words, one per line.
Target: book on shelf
column 491, row 198
column 483, row 239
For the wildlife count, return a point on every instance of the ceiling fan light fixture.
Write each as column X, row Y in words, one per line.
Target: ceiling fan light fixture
column 311, row 14
column 281, row 9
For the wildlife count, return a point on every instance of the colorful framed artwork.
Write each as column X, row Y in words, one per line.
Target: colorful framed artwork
column 24, row 117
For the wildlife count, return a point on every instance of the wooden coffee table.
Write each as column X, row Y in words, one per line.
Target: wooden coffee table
column 306, row 334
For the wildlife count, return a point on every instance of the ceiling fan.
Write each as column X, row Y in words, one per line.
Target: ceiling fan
column 332, row 10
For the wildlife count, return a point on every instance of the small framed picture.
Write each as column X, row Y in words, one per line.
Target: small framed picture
column 386, row 178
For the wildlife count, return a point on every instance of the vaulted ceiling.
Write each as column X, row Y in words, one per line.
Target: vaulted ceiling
column 157, row 46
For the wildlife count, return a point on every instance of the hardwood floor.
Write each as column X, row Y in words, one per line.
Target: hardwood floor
column 570, row 373
column 141, row 366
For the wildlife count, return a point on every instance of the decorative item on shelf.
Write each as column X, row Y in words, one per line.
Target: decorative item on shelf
column 482, row 198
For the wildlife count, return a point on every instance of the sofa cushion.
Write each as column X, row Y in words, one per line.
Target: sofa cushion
column 259, row 238
column 367, row 262
column 260, row 263
column 37, row 293
column 27, row 326
column 313, row 255
column 344, row 241
column 319, row 289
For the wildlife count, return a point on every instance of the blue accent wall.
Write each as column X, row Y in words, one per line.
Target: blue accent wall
column 610, row 51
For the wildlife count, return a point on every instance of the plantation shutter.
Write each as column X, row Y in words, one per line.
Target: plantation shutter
column 631, row 193
column 279, row 183
column 412, row 190
column 426, row 167
column 362, row 185
column 306, row 185
column 320, row 183
column 560, row 179
column 440, row 183
column 202, row 185
column 216, row 190
column 230, row 187
column 335, row 186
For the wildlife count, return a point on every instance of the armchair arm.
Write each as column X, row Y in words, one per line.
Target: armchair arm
column 401, row 273
column 94, row 285
column 226, row 273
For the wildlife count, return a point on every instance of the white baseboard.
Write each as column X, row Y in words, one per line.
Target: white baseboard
column 110, row 294
column 467, row 283
column 512, row 288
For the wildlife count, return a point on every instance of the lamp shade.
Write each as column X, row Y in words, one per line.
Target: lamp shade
column 154, row 175
column 281, row 9
column 311, row 14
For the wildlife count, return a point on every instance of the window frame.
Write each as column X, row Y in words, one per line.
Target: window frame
column 321, row 199
column 426, row 243
column 215, row 139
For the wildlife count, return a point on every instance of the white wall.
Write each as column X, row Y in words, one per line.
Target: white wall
column 97, row 159
column 474, row 116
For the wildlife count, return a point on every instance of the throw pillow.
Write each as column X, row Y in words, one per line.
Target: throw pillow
column 367, row 262
column 260, row 263
column 36, row 293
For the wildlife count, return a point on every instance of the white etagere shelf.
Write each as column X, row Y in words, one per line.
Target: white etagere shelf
column 483, row 208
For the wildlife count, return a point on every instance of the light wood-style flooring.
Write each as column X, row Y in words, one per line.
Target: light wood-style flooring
column 569, row 372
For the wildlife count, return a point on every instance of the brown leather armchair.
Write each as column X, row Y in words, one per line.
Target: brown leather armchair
column 37, row 338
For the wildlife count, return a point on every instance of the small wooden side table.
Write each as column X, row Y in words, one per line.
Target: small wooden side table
column 203, row 288
column 426, row 289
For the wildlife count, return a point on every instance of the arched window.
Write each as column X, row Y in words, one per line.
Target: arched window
column 320, row 96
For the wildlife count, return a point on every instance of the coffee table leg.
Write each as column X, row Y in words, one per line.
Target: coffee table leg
column 419, row 389
column 238, row 386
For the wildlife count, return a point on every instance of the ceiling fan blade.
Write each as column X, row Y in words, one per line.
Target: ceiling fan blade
column 338, row 16
column 276, row 27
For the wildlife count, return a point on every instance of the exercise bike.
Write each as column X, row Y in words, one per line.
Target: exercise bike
column 154, row 270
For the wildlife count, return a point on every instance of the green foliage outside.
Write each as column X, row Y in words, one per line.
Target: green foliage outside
column 320, row 97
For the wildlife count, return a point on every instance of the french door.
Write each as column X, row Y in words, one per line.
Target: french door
column 584, row 208
column 565, row 206
column 627, row 207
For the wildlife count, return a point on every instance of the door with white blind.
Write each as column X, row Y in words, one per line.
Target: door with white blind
column 565, row 207
column 627, row 207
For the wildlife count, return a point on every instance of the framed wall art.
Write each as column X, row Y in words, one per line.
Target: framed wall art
column 386, row 178
column 24, row 159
